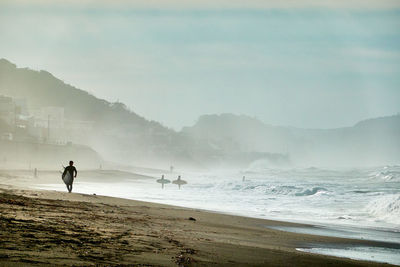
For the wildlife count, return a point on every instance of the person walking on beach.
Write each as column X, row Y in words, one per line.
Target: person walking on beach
column 72, row 173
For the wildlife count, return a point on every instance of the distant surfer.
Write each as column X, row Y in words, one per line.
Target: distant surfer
column 179, row 182
column 68, row 175
column 163, row 181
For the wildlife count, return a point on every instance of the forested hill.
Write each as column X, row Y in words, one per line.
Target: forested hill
column 41, row 89
column 369, row 142
column 118, row 134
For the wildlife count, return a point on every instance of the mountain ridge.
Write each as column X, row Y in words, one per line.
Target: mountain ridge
column 118, row 133
column 5, row 64
column 124, row 135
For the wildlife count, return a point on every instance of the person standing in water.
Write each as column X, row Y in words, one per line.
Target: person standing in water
column 73, row 172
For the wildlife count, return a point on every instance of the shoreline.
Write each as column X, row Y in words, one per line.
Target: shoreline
column 143, row 180
column 39, row 226
column 220, row 239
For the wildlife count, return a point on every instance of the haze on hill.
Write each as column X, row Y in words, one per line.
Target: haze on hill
column 118, row 134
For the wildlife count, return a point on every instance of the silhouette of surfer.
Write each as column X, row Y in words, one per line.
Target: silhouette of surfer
column 72, row 172
column 179, row 182
column 163, row 181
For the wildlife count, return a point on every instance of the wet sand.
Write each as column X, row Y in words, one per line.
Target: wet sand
column 41, row 227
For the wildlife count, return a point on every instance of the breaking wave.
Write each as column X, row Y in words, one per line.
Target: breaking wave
column 388, row 173
column 386, row 208
column 315, row 190
column 270, row 189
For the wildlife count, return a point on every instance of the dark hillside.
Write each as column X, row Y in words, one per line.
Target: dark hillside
column 43, row 89
column 118, row 134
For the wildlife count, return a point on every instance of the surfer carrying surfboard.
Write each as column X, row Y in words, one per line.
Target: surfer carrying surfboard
column 69, row 174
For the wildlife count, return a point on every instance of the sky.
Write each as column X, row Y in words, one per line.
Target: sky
column 310, row 64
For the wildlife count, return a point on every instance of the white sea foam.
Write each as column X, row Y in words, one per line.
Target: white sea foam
column 386, row 208
column 365, row 201
column 387, row 173
column 352, row 197
column 376, row 254
column 313, row 191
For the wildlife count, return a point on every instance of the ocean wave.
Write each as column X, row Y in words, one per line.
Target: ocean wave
column 388, row 173
column 362, row 191
column 282, row 190
column 270, row 189
column 386, row 208
column 313, row 191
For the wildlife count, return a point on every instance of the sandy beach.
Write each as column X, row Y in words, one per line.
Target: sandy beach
column 40, row 227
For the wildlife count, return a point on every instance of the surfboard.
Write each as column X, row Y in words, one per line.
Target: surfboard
column 67, row 178
column 179, row 182
column 163, row 181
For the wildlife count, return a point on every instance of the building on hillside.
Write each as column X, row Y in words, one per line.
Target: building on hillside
column 47, row 125
column 22, row 106
column 15, row 114
column 50, row 126
column 7, row 110
column 49, row 117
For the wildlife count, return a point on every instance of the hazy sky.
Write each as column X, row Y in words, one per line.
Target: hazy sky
column 301, row 63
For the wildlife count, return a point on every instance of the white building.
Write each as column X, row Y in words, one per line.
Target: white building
column 49, row 117
column 22, row 106
column 7, row 110
column 48, row 125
